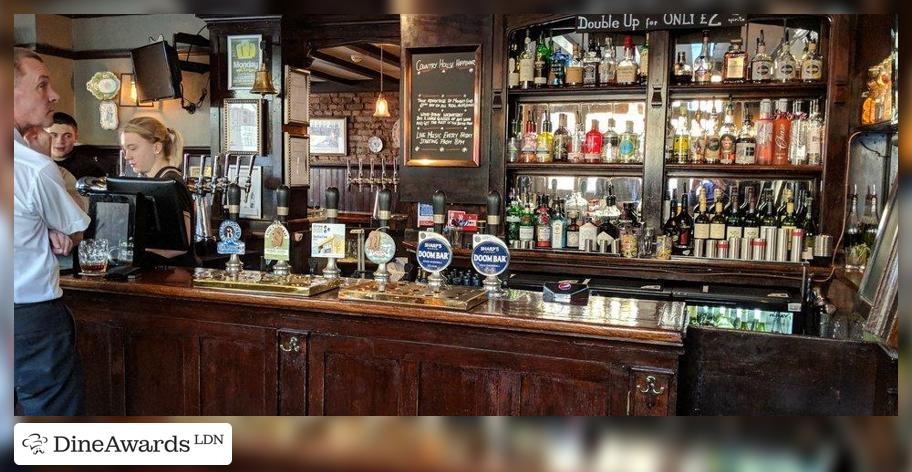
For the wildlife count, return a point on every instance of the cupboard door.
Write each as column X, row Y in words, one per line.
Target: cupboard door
column 453, row 390
column 292, row 382
column 101, row 352
column 237, row 371
column 651, row 392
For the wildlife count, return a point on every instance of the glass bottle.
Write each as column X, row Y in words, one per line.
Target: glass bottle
column 713, row 140
column 542, row 57
column 751, row 217
column 871, row 218
column 627, row 68
column 785, row 65
column 574, row 75
column 592, row 150
column 573, row 232
column 855, row 250
column 681, row 142
column 734, row 63
column 782, row 127
column 682, row 73
column 703, row 64
column 607, row 73
column 545, row 144
column 527, row 225
column 628, row 150
column 644, row 61
column 810, row 229
column 812, row 63
column 701, row 221
column 512, row 218
column 798, row 136
column 670, row 227
column 698, row 139
column 575, row 155
column 718, row 223
column 530, row 140
column 745, row 146
column 683, row 245
column 761, row 66
column 561, row 139
column 764, row 135
column 734, row 226
column 610, row 144
column 769, row 221
column 590, row 65
column 543, row 223
column 527, row 64
column 513, row 67
column 814, row 135
column 556, row 72
column 727, row 138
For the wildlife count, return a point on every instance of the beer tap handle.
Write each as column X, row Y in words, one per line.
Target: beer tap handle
column 282, row 197
column 395, row 174
column 331, row 204
column 360, row 173
column 371, row 177
column 185, row 164
column 348, row 173
column 493, row 217
column 384, row 203
column 439, row 203
column 120, row 162
column 234, row 201
column 249, row 183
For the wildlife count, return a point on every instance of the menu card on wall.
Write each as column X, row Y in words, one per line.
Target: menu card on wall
column 442, row 110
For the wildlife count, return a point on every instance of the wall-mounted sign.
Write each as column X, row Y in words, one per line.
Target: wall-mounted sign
column 244, row 57
column 638, row 22
column 442, row 107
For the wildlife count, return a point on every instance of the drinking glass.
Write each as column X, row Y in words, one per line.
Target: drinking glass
column 93, row 257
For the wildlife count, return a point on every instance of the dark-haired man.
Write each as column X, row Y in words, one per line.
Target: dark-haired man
column 78, row 160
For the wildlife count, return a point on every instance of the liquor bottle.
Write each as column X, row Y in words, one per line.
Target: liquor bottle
column 798, row 136
column 644, row 61
column 610, row 144
column 607, row 72
column 513, row 144
column 574, row 74
column 751, row 218
column 513, row 217
column 573, row 232
column 703, row 64
column 788, row 195
column 764, row 137
column 682, row 72
column 727, row 138
column 853, row 239
column 871, row 218
column 561, row 139
column 543, row 223
column 698, row 139
column 576, row 153
column 545, row 142
column 718, row 223
column 701, row 221
column 785, row 65
column 628, row 150
column 627, row 68
column 681, row 146
column 527, row 225
column 734, row 225
column 788, row 220
column 812, row 63
column 530, row 140
column 542, row 56
column 814, row 135
column 769, row 221
column 558, row 228
column 745, row 146
column 592, row 149
column 761, row 65
column 666, row 206
column 611, row 208
column 513, row 67
column 781, row 133
column 609, row 228
column 557, row 71
column 713, row 140
column 683, row 245
column 590, row 65
column 670, row 227
column 810, row 229
column 717, row 197
column 527, row 64
column 734, row 63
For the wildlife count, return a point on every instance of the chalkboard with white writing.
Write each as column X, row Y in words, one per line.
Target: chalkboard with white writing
column 442, row 107
column 628, row 22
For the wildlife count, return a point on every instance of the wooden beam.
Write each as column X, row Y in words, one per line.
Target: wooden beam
column 370, row 50
column 332, row 78
column 358, row 69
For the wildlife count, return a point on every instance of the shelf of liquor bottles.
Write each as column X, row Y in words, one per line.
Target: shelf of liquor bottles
column 748, row 90
column 575, row 93
column 565, row 168
column 741, row 170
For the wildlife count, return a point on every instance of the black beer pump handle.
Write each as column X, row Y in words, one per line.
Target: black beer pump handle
column 384, row 203
column 282, row 194
column 234, row 201
column 439, row 203
column 332, row 204
column 493, row 212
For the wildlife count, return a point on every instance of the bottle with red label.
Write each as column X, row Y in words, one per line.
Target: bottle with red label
column 782, row 132
column 764, row 146
column 592, row 150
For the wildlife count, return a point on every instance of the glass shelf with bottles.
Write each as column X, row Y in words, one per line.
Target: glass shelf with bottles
column 595, row 133
column 720, row 57
column 559, row 58
column 746, row 134
column 744, row 319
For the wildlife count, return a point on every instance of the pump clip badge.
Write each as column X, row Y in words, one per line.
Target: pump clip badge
column 433, row 253
column 230, row 238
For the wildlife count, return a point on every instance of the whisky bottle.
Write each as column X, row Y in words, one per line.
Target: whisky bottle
column 682, row 72
column 764, row 135
column 681, row 146
column 734, row 63
column 542, row 56
column 761, row 66
column 574, row 74
column 513, row 67
column 812, row 63
column 607, row 73
column 713, row 140
column 627, row 68
column 527, row 64
column 530, row 140
column 644, row 61
column 782, row 129
column 545, row 142
column 727, row 136
column 592, row 149
column 590, row 65
column 746, row 144
column 785, row 65
column 628, row 150
column 610, row 144
column 798, row 136
column 683, row 245
column 561, row 139
column 703, row 64
column 814, row 135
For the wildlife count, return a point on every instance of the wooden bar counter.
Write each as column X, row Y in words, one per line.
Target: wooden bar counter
column 159, row 346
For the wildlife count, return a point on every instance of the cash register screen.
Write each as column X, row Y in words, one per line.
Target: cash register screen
column 112, row 222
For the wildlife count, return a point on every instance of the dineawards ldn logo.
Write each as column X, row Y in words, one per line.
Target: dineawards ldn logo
column 122, row 444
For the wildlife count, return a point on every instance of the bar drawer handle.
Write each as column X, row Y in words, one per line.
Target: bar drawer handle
column 293, row 345
column 650, row 387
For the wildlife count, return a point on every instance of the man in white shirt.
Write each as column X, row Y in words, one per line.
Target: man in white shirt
column 48, row 376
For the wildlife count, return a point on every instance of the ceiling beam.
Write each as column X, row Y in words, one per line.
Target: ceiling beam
column 373, row 51
column 358, row 69
column 332, row 78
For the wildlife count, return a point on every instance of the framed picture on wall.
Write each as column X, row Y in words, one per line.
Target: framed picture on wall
column 297, row 96
column 243, row 126
column 328, row 136
column 297, row 160
column 244, row 58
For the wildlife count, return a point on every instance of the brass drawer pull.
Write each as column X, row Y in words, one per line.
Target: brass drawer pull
column 293, row 345
column 651, row 387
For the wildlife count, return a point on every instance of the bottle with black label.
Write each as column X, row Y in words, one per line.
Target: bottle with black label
column 573, row 232
column 733, row 222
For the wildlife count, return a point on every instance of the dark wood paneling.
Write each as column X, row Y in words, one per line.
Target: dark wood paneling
column 104, row 379
column 652, row 393
column 160, row 373
column 350, row 199
column 549, row 396
column 656, row 127
column 453, row 390
column 237, row 377
column 292, row 372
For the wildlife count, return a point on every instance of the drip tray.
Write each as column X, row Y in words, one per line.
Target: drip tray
column 256, row 282
column 412, row 294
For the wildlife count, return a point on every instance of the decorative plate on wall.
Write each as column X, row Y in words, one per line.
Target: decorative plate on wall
column 103, row 85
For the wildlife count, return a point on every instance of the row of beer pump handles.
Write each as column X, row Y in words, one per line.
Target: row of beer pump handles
column 202, row 185
column 372, row 179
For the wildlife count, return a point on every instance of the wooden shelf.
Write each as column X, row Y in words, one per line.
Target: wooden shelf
column 740, row 170
column 563, row 168
column 884, row 127
column 749, row 90
column 633, row 92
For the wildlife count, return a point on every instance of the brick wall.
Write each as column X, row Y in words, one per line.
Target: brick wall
column 358, row 108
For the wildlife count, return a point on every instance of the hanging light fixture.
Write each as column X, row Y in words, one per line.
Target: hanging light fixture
column 381, row 107
column 262, row 83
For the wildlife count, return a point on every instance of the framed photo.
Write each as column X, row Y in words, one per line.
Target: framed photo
column 243, row 126
column 297, row 96
column 297, row 160
column 244, row 58
column 128, row 96
column 252, row 201
column 329, row 136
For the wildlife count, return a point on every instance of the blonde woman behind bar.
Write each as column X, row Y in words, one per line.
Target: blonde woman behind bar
column 152, row 149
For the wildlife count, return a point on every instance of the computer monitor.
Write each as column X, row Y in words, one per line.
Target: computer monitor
column 157, row 72
column 168, row 220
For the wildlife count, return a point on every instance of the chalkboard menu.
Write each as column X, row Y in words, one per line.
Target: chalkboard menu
column 637, row 22
column 442, row 107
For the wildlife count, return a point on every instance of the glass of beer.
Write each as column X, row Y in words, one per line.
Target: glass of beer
column 93, row 257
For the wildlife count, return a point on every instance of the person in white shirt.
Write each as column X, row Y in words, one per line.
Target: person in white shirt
column 48, row 376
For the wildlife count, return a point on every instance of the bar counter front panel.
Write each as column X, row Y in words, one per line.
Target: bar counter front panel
column 159, row 346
